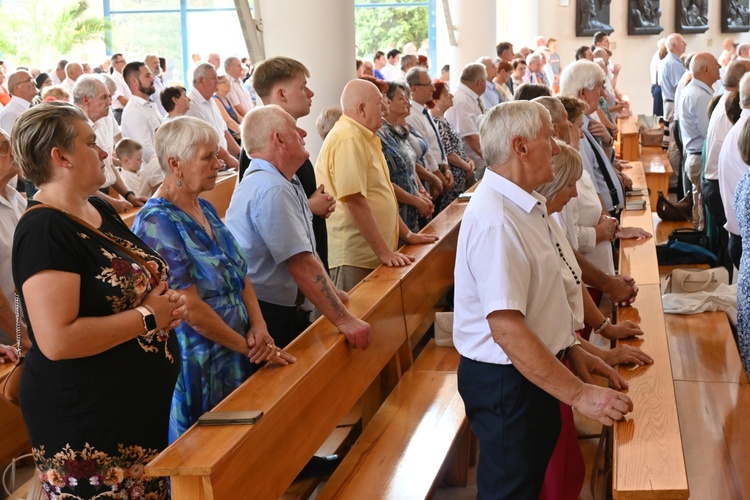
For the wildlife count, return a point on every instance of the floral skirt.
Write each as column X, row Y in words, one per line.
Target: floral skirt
column 92, row 474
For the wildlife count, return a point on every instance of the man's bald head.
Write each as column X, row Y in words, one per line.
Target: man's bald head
column 705, row 67
column 73, row 70
column 361, row 101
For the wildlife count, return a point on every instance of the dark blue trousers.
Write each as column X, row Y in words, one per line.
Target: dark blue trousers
column 517, row 425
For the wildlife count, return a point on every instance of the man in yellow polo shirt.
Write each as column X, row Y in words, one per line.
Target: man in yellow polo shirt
column 364, row 229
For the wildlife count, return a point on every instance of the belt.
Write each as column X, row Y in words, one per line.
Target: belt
column 668, row 100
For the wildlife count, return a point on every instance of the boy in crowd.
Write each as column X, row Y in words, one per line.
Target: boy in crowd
column 143, row 182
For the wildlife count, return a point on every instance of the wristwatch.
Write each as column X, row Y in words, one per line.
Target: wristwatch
column 149, row 319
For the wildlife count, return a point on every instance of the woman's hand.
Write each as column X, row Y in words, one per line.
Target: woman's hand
column 263, row 348
column 168, row 306
column 621, row 330
column 8, row 354
column 121, row 205
column 321, row 203
column 606, row 229
column 625, row 233
column 423, row 206
column 626, row 354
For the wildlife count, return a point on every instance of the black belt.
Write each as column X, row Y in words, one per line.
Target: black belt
column 668, row 100
column 694, row 153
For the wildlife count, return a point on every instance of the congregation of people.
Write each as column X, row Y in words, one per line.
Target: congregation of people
column 198, row 302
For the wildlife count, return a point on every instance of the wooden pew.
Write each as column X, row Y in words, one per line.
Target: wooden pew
column 219, row 196
column 628, row 137
column 648, row 459
column 658, row 171
column 304, row 402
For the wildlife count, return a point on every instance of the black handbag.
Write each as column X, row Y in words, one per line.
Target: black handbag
column 690, row 236
column 669, row 211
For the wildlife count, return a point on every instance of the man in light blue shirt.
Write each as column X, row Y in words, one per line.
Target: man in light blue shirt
column 670, row 72
column 694, row 120
column 490, row 98
column 271, row 220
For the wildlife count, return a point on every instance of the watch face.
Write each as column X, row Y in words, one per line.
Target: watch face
column 150, row 322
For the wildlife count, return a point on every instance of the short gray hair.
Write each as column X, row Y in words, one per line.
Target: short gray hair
column 412, row 76
column 745, row 91
column 86, row 86
column 567, row 166
column 554, row 106
column 180, row 138
column 473, row 72
column 327, row 119
column 534, row 56
column 582, row 74
column 200, row 71
column 508, row 120
column 259, row 125
column 229, row 61
column 109, row 82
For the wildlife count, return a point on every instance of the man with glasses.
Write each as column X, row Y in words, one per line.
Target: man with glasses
column 22, row 88
column 435, row 160
column 122, row 95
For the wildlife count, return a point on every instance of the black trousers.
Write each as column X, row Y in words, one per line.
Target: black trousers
column 712, row 201
column 658, row 100
column 517, row 425
column 284, row 323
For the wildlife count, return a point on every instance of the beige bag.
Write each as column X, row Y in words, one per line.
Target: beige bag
column 692, row 280
column 444, row 329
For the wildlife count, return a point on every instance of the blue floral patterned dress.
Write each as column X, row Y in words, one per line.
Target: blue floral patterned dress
column 742, row 209
column 217, row 268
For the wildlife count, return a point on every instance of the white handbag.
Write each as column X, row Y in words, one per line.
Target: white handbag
column 444, row 329
column 692, row 280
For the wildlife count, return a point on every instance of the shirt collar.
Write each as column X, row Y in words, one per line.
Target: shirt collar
column 466, row 89
column 369, row 134
column 417, row 107
column 525, row 201
column 267, row 166
column 702, row 85
column 197, row 96
column 140, row 100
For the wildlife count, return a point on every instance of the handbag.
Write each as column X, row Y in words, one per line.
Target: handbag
column 669, row 211
column 690, row 236
column 675, row 253
column 693, row 280
column 444, row 329
column 12, row 383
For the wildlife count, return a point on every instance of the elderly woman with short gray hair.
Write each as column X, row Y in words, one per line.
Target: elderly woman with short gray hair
column 224, row 336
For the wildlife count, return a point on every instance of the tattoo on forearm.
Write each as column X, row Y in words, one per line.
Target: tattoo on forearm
column 331, row 295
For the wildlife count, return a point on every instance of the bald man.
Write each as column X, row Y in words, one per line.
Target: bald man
column 73, row 71
column 694, row 119
column 364, row 230
column 22, row 88
column 490, row 97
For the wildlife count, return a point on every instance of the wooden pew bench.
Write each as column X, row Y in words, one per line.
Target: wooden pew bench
column 713, row 399
column 304, row 402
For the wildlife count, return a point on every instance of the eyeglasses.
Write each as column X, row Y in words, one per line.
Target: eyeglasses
column 423, row 84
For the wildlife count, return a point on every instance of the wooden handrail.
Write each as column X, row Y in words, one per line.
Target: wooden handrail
column 304, row 402
column 648, row 457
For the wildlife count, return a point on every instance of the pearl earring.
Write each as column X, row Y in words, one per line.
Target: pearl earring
column 179, row 183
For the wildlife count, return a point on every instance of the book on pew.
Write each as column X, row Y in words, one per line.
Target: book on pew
column 634, row 192
column 635, row 205
column 230, row 417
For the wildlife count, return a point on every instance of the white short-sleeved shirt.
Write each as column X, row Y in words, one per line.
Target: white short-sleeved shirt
column 106, row 129
column 140, row 119
column 238, row 94
column 421, row 124
column 12, row 206
column 506, row 260
column 731, row 168
column 464, row 118
column 9, row 113
column 718, row 128
column 586, row 209
column 571, row 275
column 122, row 90
column 208, row 112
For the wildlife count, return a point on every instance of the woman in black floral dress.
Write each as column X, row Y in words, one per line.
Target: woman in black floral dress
column 98, row 378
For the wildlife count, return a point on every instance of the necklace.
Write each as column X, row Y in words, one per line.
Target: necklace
column 562, row 256
column 203, row 223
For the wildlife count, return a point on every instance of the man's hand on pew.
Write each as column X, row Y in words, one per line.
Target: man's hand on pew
column 621, row 330
column 627, row 182
column 599, row 403
column 626, row 233
column 626, row 354
column 358, row 332
column 620, row 290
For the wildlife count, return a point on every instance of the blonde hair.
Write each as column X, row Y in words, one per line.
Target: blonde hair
column 55, row 93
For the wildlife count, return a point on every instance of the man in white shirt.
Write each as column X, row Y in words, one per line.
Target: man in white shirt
column 140, row 119
column 731, row 168
column 73, row 71
column 122, row 95
column 718, row 129
column 435, row 160
column 238, row 95
column 490, row 97
column 152, row 62
column 59, row 74
column 512, row 318
column 22, row 88
column 392, row 70
column 205, row 82
column 466, row 110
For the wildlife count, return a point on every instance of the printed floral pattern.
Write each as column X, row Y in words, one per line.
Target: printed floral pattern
column 90, row 473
